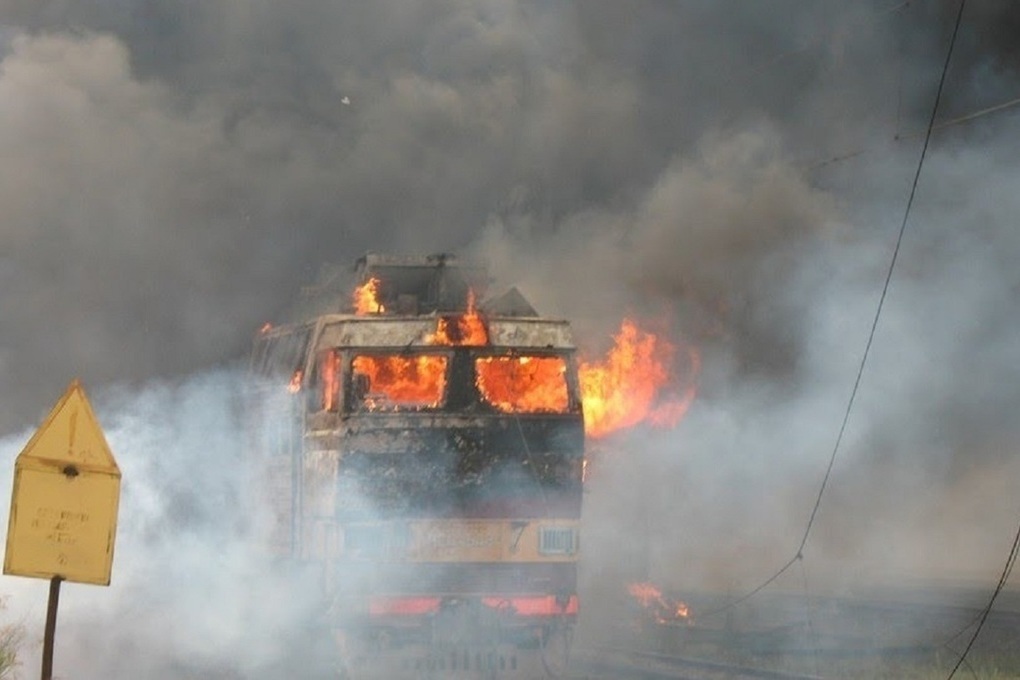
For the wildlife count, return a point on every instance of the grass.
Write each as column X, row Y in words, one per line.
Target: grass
column 11, row 637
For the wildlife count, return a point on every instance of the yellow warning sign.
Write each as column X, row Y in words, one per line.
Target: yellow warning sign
column 64, row 504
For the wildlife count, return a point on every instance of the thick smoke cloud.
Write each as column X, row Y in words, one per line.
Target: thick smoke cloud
column 172, row 172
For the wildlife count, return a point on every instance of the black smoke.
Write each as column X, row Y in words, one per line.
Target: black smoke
column 174, row 171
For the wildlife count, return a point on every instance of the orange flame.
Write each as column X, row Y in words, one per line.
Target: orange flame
column 623, row 389
column 266, row 327
column 329, row 368
column 523, row 384
column 469, row 329
column 295, row 382
column 366, row 298
column 396, row 381
column 662, row 608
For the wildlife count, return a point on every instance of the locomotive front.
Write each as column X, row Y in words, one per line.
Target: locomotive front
column 433, row 458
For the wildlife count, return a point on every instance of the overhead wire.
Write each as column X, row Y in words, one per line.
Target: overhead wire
column 871, row 334
column 967, row 118
column 1006, row 571
column 898, row 137
column 909, row 136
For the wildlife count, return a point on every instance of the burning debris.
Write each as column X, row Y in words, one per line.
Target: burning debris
column 661, row 608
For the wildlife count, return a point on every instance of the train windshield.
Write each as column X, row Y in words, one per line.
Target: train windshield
column 389, row 382
column 523, row 384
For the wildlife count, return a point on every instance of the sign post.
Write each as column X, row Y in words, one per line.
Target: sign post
column 63, row 519
column 51, row 628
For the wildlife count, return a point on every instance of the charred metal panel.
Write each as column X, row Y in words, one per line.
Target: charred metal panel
column 279, row 351
column 411, row 433
column 402, row 467
column 377, row 332
column 537, row 333
column 439, row 282
column 389, row 332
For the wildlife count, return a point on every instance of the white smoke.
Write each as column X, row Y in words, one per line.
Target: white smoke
column 192, row 590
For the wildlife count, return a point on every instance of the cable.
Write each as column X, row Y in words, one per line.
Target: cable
column 808, row 612
column 888, row 278
column 874, row 325
column 970, row 669
column 901, row 137
column 967, row 118
column 746, row 596
column 1006, row 571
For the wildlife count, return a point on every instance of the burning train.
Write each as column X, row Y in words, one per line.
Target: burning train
column 425, row 450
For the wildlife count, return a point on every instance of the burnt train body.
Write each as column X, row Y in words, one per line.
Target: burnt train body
column 425, row 459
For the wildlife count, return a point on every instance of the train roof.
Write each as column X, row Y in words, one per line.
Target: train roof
column 381, row 331
column 413, row 295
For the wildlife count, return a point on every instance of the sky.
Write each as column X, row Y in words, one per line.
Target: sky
column 173, row 172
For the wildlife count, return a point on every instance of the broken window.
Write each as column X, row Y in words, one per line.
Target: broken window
column 398, row 381
column 523, row 384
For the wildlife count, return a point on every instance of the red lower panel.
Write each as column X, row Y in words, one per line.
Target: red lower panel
column 520, row 605
column 403, row 606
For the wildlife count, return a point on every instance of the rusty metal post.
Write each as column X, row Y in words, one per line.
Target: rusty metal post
column 51, row 628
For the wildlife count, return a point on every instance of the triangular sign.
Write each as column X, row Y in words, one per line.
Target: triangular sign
column 71, row 435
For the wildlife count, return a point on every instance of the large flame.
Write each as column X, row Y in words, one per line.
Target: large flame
column 523, row 384
column 626, row 387
column 662, row 608
column 366, row 298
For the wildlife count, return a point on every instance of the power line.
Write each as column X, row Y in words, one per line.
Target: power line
column 874, row 326
column 1006, row 571
column 901, row 137
column 888, row 276
column 969, row 117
